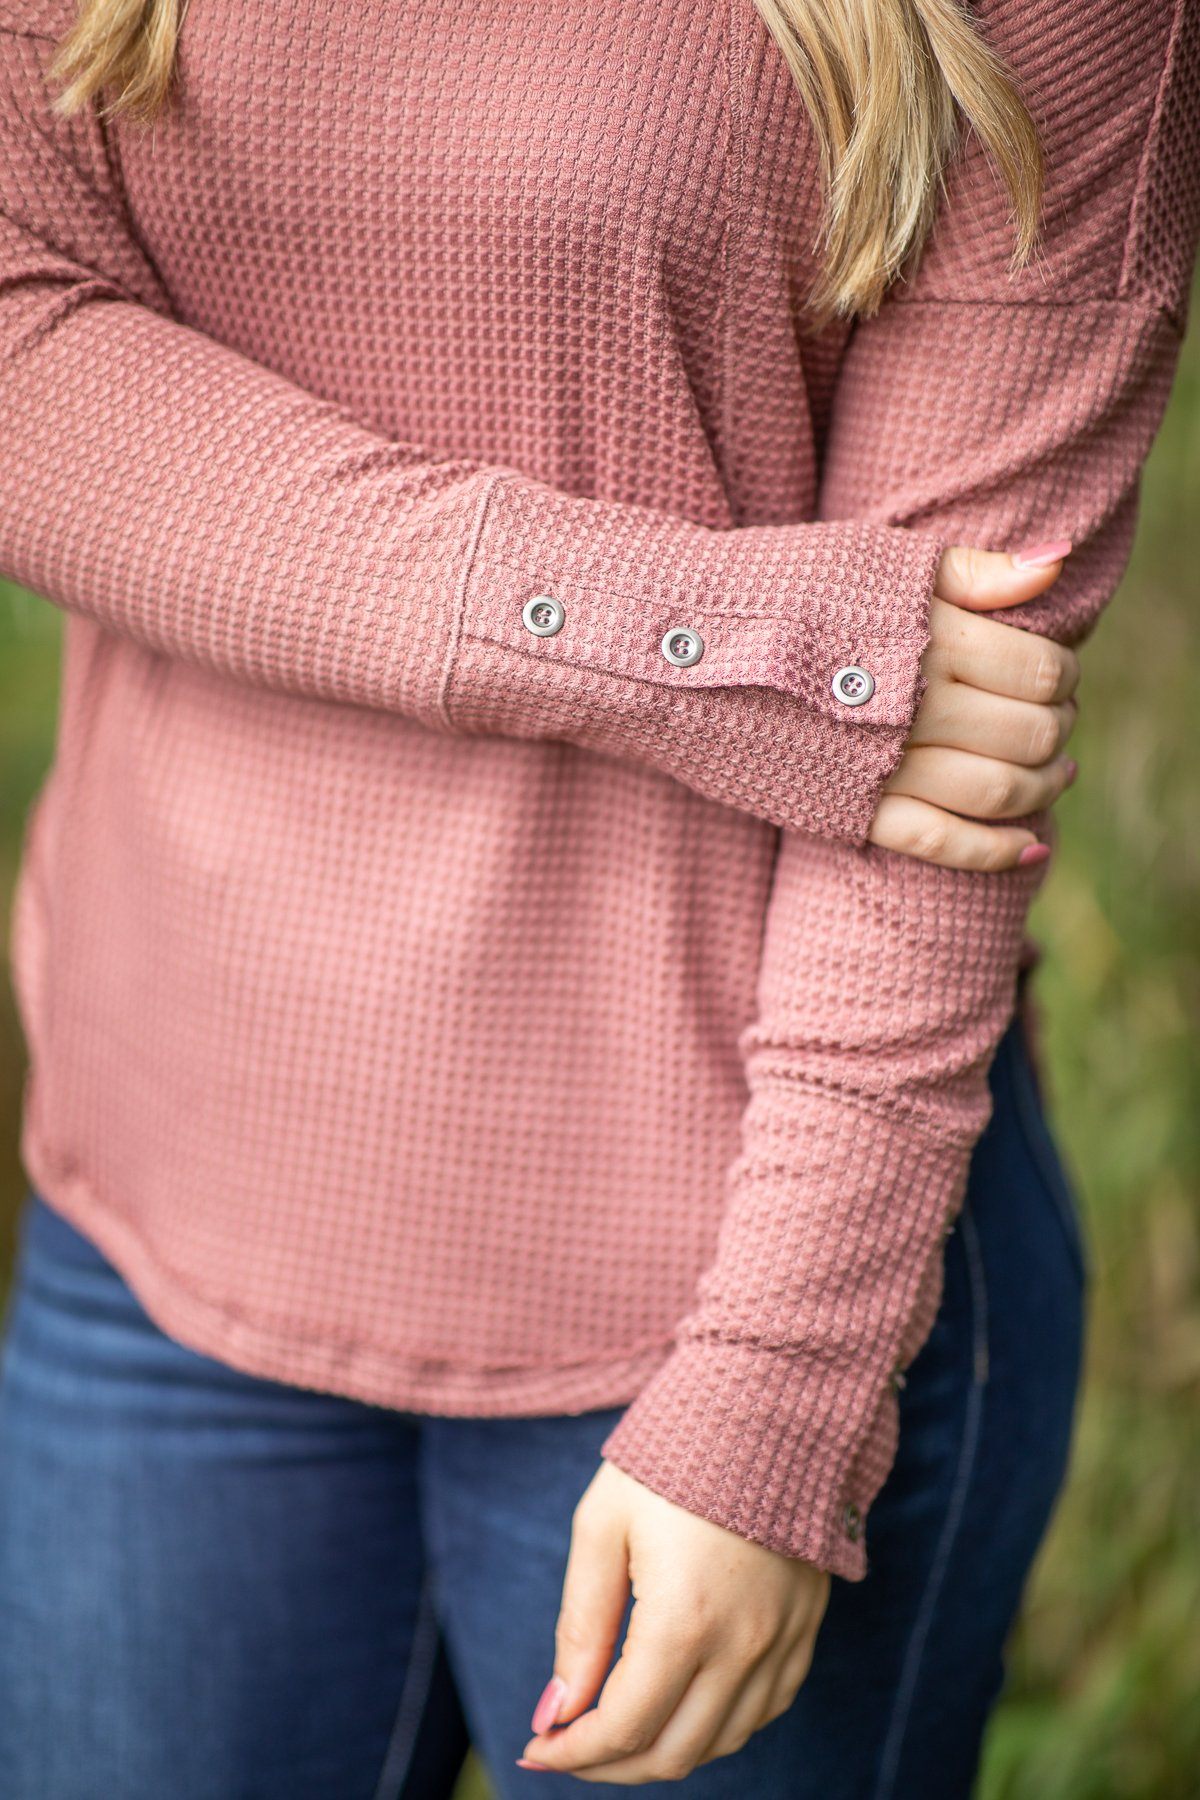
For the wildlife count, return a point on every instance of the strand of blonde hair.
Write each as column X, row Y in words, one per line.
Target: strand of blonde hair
column 890, row 86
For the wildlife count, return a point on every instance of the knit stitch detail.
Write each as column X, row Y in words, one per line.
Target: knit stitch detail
column 465, row 1019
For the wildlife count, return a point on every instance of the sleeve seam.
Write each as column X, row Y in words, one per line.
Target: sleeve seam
column 797, row 1349
column 457, row 623
column 1151, row 308
column 735, row 56
column 892, row 1113
column 1149, row 154
column 1127, row 302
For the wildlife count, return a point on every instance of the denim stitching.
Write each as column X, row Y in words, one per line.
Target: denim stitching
column 414, row 1694
column 910, row 1669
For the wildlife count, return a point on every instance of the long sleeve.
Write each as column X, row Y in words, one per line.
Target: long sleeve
column 179, row 492
column 990, row 411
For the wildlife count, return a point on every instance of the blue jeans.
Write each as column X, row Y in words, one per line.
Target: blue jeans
column 214, row 1587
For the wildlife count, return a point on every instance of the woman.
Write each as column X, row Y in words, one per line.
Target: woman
column 519, row 944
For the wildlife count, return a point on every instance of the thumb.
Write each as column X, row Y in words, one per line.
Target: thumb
column 594, row 1596
column 983, row 579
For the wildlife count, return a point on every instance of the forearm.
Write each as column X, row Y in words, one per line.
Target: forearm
column 996, row 412
column 182, row 494
column 203, row 504
column 885, row 987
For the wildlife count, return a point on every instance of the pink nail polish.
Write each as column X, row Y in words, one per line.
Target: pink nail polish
column 1038, row 556
column 546, row 1710
column 523, row 1762
column 1033, row 853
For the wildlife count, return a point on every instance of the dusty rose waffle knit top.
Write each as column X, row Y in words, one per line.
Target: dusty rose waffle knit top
column 474, row 1017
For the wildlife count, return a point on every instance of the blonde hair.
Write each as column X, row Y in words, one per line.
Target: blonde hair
column 889, row 85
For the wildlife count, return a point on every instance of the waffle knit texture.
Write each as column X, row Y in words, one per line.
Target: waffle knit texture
column 478, row 1022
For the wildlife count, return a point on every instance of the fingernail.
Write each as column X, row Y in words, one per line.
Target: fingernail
column 546, row 1710
column 523, row 1762
column 1072, row 770
column 1037, row 556
column 1033, row 853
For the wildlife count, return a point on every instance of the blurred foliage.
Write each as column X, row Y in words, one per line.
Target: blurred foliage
column 1104, row 1671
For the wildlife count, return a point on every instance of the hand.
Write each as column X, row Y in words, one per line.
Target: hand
column 988, row 736
column 719, row 1639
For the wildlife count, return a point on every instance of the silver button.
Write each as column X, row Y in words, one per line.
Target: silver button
column 852, row 1520
column 683, row 646
column 897, row 1379
column 853, row 686
column 543, row 615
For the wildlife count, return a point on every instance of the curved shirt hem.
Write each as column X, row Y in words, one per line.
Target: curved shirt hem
column 373, row 1375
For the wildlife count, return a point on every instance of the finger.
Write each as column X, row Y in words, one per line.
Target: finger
column 594, row 1594
column 980, row 787
column 766, row 1694
column 790, row 1676
column 699, row 1717
column 988, row 654
column 647, row 1682
column 931, row 835
column 983, row 579
column 966, row 718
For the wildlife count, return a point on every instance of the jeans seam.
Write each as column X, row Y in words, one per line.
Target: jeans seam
column 922, row 1624
column 414, row 1695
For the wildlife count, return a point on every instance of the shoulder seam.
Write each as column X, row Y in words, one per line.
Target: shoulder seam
column 1148, row 304
column 734, row 60
column 1149, row 152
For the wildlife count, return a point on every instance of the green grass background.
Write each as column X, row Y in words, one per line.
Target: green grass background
column 1103, row 1695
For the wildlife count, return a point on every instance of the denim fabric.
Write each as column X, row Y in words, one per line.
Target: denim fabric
column 214, row 1587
